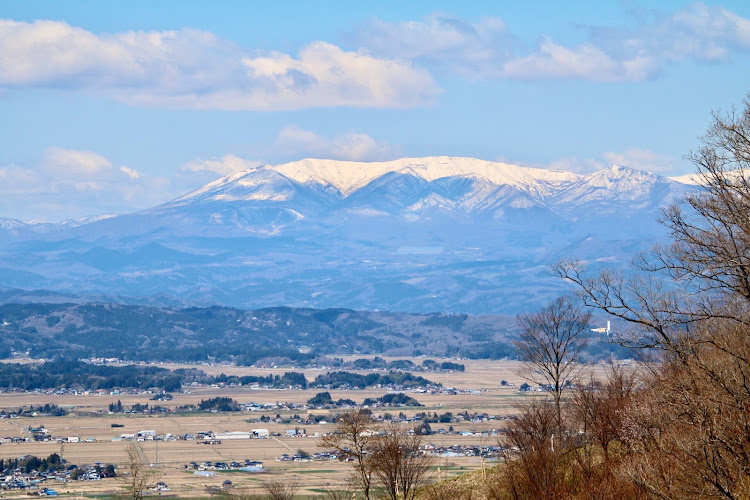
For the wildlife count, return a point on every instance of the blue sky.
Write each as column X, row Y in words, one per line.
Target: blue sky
column 111, row 107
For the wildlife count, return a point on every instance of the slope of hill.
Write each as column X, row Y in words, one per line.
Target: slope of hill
column 148, row 333
column 278, row 334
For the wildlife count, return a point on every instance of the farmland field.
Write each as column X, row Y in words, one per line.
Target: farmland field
column 91, row 422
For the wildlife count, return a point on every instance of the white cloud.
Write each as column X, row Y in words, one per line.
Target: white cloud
column 74, row 163
column 637, row 158
column 131, row 172
column 226, row 165
column 291, row 142
column 196, row 173
column 195, row 69
column 697, row 31
column 87, row 168
column 577, row 165
column 488, row 49
column 445, row 42
column 67, row 183
column 587, row 62
column 295, row 141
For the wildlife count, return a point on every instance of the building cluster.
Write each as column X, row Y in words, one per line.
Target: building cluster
column 246, row 466
column 463, row 450
column 66, row 391
column 33, row 482
column 43, row 434
column 315, row 457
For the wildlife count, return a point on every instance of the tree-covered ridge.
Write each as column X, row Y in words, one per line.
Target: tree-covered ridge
column 272, row 336
column 77, row 375
column 145, row 333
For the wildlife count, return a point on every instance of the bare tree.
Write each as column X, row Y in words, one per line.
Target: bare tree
column 704, row 272
column 136, row 476
column 534, row 466
column 447, row 490
column 347, row 491
column 598, row 408
column 398, row 464
column 551, row 341
column 686, row 432
column 569, row 469
column 353, row 437
column 280, row 489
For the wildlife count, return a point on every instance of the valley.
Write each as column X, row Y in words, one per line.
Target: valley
column 452, row 442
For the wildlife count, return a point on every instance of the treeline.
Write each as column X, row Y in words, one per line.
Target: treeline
column 289, row 379
column 31, row 463
column 330, row 380
column 52, row 463
column 378, row 363
column 51, row 410
column 486, row 350
column 136, row 408
column 325, row 399
column 220, row 403
column 432, row 365
column 74, row 374
column 395, row 399
column 78, row 375
column 343, row 379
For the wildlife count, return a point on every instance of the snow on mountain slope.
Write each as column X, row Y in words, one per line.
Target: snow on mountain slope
column 617, row 185
column 689, row 179
column 258, row 183
column 267, row 199
column 700, row 179
column 348, row 176
column 418, row 234
column 383, row 179
column 17, row 227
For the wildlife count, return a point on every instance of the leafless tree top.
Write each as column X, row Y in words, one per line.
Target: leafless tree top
column 551, row 339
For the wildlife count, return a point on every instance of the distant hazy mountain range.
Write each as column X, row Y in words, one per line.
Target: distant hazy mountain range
column 420, row 234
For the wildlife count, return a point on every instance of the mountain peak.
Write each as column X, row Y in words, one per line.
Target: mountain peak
column 343, row 178
column 348, row 176
column 325, row 233
column 619, row 173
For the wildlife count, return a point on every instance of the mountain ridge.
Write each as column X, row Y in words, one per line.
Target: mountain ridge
column 347, row 177
column 414, row 235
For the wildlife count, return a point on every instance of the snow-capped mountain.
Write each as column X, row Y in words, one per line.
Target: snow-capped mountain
column 348, row 177
column 415, row 234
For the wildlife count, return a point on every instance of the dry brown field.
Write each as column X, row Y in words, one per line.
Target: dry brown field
column 90, row 419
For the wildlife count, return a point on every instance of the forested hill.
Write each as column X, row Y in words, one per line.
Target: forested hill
column 280, row 334
column 224, row 334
